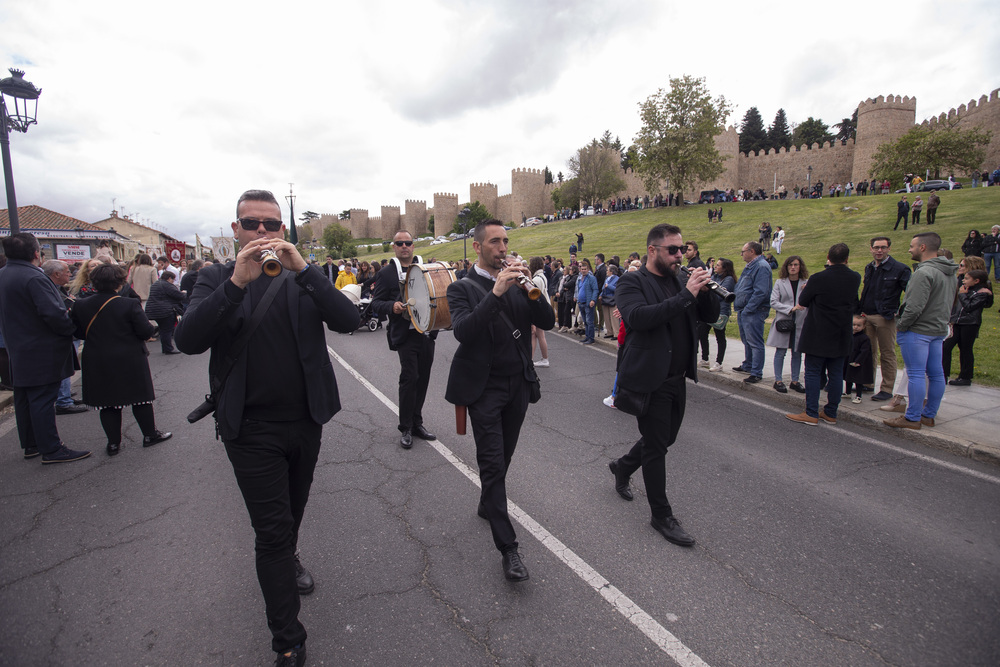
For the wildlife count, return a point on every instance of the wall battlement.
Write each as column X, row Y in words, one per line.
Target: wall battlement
column 889, row 102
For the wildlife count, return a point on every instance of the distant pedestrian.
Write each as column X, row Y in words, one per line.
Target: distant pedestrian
column 902, row 213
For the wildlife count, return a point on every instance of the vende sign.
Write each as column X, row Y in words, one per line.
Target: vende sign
column 72, row 253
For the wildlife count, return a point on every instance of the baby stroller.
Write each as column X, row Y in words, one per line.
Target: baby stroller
column 369, row 319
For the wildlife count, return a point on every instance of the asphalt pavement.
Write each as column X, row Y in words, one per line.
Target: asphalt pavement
column 835, row 545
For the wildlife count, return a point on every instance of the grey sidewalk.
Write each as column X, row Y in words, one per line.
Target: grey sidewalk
column 968, row 423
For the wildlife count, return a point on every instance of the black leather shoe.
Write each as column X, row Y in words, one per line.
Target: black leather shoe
column 423, row 433
column 671, row 529
column 513, row 568
column 31, row 452
column 71, row 409
column 171, row 352
column 882, row 396
column 621, row 481
column 114, row 448
column 406, row 439
column 157, row 437
column 293, row 657
column 752, row 379
column 303, row 580
column 796, row 386
column 740, row 369
column 481, row 511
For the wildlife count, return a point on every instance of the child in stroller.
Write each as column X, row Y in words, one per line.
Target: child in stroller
column 369, row 320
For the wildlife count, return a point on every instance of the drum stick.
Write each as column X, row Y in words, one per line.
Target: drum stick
column 460, row 412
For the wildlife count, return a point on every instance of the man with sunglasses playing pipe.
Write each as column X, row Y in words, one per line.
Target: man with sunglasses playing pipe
column 416, row 350
column 278, row 393
column 660, row 310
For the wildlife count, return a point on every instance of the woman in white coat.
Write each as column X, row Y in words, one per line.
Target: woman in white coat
column 785, row 300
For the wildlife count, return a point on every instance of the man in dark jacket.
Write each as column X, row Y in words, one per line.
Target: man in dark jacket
column 902, row 212
column 660, row 312
column 885, row 280
column 270, row 413
column 832, row 299
column 38, row 333
column 416, row 350
column 491, row 318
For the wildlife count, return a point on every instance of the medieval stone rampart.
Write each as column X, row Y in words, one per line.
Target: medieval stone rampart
column 880, row 120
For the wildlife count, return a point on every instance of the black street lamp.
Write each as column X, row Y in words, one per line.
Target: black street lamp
column 293, row 235
column 24, row 100
column 463, row 217
column 809, row 180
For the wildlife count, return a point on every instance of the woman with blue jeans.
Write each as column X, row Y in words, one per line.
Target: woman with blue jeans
column 586, row 298
column 785, row 300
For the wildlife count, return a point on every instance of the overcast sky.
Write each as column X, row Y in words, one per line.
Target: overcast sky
column 173, row 109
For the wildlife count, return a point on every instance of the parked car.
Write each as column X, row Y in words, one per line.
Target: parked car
column 587, row 211
column 927, row 186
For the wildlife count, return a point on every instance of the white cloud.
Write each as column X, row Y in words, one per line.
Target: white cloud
column 175, row 109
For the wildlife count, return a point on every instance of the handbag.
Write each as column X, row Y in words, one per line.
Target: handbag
column 785, row 326
column 720, row 323
column 630, row 402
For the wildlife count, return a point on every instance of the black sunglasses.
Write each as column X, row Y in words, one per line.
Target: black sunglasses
column 671, row 249
column 252, row 225
column 400, row 244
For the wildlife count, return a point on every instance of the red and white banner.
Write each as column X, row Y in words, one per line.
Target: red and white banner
column 175, row 251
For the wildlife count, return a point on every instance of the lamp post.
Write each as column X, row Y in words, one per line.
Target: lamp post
column 463, row 216
column 293, row 235
column 809, row 178
column 24, row 99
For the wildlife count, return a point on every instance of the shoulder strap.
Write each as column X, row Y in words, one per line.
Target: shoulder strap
column 91, row 323
column 529, row 367
column 244, row 337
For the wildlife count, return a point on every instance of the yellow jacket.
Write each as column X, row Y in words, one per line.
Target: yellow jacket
column 346, row 278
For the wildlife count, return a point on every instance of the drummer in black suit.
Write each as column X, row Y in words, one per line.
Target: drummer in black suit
column 490, row 375
column 416, row 350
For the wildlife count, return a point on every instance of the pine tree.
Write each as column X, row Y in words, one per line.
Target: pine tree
column 753, row 137
column 778, row 135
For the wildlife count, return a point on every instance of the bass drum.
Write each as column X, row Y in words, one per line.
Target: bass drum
column 426, row 294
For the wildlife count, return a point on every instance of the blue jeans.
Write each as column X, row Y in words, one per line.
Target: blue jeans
column 588, row 319
column 834, row 367
column 752, row 334
column 922, row 355
column 994, row 258
column 779, row 363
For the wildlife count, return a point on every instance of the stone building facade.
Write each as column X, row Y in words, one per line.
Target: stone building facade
column 880, row 120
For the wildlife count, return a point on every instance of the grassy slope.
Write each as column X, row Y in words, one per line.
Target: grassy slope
column 811, row 227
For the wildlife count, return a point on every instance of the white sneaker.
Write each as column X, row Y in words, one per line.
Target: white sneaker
column 715, row 367
column 704, row 364
column 856, row 399
column 544, row 363
column 610, row 401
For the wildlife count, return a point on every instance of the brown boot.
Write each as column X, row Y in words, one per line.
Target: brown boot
column 902, row 422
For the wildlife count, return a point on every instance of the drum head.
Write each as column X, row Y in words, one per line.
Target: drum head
column 416, row 290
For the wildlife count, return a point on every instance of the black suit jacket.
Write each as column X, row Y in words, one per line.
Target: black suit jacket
column 645, row 359
column 217, row 313
column 832, row 299
column 387, row 293
column 476, row 322
column 37, row 329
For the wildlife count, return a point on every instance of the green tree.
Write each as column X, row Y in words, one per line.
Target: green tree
column 677, row 139
column 344, row 215
column 337, row 237
column 305, row 233
column 548, row 176
column 477, row 213
column 607, row 142
column 430, row 225
column 778, row 134
column 597, row 172
column 942, row 150
column 811, row 131
column 847, row 128
column 629, row 158
column 309, row 216
column 566, row 195
column 753, row 136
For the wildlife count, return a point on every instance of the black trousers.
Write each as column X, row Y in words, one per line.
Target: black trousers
column 964, row 337
column 274, row 464
column 167, row 325
column 496, row 424
column 931, row 214
column 416, row 356
column 659, row 430
column 904, row 217
column 565, row 313
column 720, row 339
column 35, row 412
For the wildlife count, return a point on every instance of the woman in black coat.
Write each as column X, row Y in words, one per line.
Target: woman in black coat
column 115, row 368
column 973, row 246
column 165, row 303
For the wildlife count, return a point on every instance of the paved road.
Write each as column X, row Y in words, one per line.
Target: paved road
column 818, row 546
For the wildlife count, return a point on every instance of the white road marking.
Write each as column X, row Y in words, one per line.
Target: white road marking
column 632, row 612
